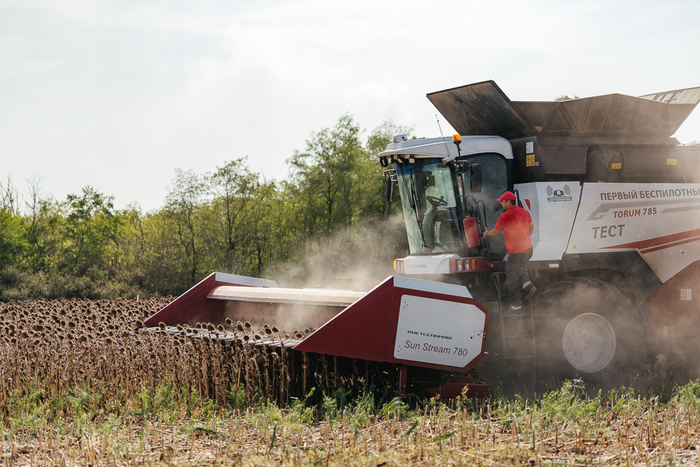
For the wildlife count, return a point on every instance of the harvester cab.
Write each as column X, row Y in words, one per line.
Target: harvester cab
column 447, row 204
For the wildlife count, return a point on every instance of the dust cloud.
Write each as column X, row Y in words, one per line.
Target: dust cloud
column 289, row 318
column 354, row 258
column 590, row 308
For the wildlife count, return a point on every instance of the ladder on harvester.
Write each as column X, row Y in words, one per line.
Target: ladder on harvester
column 517, row 331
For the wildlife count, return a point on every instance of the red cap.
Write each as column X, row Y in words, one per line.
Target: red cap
column 508, row 195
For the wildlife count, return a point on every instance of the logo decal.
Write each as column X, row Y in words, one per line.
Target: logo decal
column 558, row 195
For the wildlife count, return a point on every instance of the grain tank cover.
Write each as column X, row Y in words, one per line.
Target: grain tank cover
column 483, row 109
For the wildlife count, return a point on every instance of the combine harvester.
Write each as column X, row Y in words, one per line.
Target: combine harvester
column 616, row 250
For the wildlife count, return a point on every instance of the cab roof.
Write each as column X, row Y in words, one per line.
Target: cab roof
column 444, row 147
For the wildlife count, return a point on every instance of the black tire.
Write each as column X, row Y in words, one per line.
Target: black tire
column 587, row 329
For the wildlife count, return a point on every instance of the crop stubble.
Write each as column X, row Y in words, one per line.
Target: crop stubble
column 62, row 345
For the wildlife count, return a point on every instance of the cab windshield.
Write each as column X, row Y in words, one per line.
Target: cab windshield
column 429, row 207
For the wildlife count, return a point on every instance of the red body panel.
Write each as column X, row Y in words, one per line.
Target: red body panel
column 359, row 331
column 367, row 328
column 675, row 305
column 193, row 307
column 440, row 325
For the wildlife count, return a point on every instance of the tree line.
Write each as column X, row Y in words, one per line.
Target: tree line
column 329, row 218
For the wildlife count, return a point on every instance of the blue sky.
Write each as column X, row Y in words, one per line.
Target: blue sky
column 116, row 94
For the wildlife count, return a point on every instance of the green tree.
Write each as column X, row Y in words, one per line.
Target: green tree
column 159, row 259
column 324, row 180
column 331, row 207
column 261, row 229
column 44, row 234
column 12, row 238
column 12, row 231
column 9, row 197
column 183, row 212
column 334, row 210
column 239, row 202
column 91, row 227
column 135, row 250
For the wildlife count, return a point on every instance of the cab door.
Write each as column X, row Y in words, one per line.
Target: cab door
column 494, row 172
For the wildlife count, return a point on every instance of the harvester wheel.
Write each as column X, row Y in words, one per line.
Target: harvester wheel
column 586, row 328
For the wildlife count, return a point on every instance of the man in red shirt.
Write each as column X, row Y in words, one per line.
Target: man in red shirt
column 517, row 226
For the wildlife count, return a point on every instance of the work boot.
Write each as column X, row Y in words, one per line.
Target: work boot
column 531, row 292
column 530, row 289
column 513, row 310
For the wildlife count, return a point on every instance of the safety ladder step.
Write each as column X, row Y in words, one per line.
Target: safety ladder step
column 520, row 347
column 518, row 335
column 517, row 330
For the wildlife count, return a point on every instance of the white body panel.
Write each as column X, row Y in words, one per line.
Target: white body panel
column 410, row 283
column 552, row 206
column 438, row 331
column 444, row 147
column 660, row 220
column 428, row 264
column 234, row 279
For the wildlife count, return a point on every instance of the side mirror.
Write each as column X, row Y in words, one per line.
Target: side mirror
column 475, row 178
column 389, row 182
